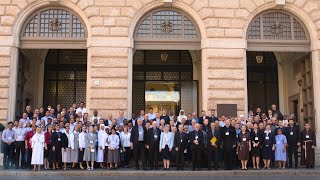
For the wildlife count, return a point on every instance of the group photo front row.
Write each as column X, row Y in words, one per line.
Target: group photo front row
column 60, row 138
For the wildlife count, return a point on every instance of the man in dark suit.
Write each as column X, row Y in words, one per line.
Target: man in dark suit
column 229, row 140
column 153, row 139
column 203, row 117
column 196, row 140
column 138, row 141
column 180, row 145
column 292, row 133
column 213, row 117
column 212, row 147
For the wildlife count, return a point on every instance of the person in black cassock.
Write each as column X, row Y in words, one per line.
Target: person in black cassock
column 56, row 141
column 138, row 141
column 228, row 140
column 292, row 133
column 153, row 139
column 180, row 146
column 196, row 140
column 213, row 145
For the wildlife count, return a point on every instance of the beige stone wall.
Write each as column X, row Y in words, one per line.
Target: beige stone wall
column 222, row 23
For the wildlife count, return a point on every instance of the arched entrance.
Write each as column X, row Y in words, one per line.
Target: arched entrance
column 65, row 77
column 166, row 68
column 262, row 80
column 52, row 60
column 279, row 40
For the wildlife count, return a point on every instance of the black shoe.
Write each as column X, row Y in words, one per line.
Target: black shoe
column 177, row 168
column 151, row 168
column 156, row 168
column 182, row 169
column 137, row 168
column 145, row 169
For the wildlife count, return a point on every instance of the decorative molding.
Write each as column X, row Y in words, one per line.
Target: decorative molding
column 280, row 2
column 54, row 2
column 167, row 3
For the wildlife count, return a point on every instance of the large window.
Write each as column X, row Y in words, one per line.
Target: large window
column 54, row 23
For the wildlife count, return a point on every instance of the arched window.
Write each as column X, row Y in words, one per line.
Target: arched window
column 53, row 24
column 167, row 25
column 279, row 28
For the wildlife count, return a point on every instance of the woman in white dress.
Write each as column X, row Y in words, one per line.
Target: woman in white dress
column 101, row 145
column 66, row 147
column 37, row 145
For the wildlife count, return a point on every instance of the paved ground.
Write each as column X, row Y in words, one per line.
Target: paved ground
column 289, row 174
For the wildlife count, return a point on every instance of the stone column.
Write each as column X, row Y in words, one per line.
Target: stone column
column 10, row 91
column 316, row 88
column 225, row 73
column 107, row 84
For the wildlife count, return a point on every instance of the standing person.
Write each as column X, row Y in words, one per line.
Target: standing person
column 48, row 145
column 56, row 141
column 196, row 141
column 256, row 139
column 308, row 141
column 244, row 147
column 180, row 145
column 66, row 147
column 292, row 133
column 37, row 145
column 165, row 147
column 82, row 145
column 281, row 149
column 267, row 147
column 165, row 116
column 8, row 139
column 228, row 140
column 90, row 152
column 75, row 144
column 113, row 149
column 125, row 144
column 20, row 134
column 102, row 139
column 153, row 140
column 27, row 143
column 138, row 140
column 213, row 145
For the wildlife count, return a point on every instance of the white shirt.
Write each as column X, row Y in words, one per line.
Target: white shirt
column 92, row 118
column 125, row 139
column 82, row 110
column 181, row 116
column 113, row 141
column 151, row 116
column 20, row 133
column 82, row 140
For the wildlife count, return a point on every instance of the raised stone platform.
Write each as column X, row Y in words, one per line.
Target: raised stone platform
column 171, row 173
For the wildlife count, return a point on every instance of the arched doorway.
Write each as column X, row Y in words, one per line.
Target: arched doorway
column 262, row 80
column 166, row 69
column 65, row 77
column 282, row 37
column 52, row 47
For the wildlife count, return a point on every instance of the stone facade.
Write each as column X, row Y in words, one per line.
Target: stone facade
column 110, row 44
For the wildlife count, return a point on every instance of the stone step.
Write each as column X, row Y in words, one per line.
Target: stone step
column 171, row 173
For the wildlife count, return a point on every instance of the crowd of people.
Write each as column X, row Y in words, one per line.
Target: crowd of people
column 65, row 139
